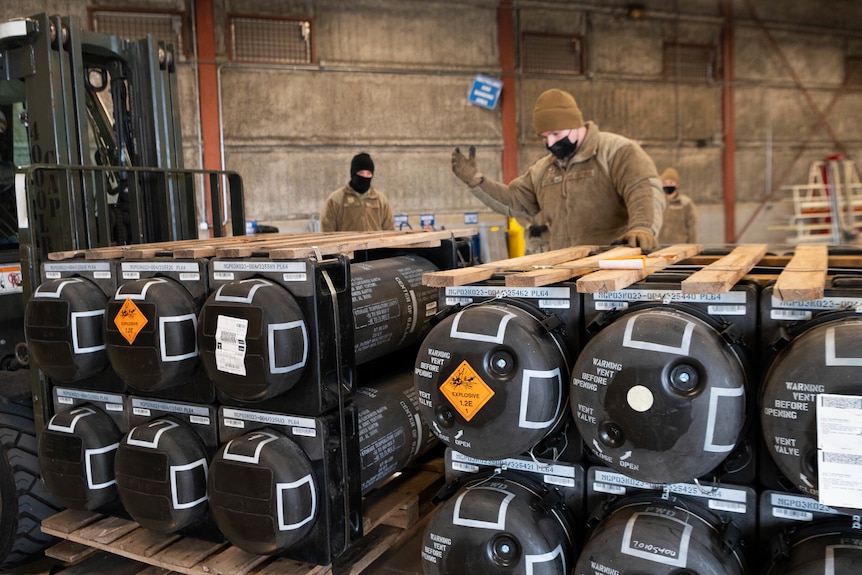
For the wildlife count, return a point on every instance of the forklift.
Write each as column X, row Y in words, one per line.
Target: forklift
column 91, row 156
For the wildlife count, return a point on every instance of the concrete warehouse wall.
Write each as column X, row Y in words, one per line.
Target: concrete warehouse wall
column 391, row 77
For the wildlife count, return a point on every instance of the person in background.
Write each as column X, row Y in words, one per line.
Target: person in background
column 592, row 187
column 358, row 206
column 680, row 215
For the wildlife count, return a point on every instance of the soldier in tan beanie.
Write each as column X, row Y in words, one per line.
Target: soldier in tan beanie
column 680, row 215
column 592, row 188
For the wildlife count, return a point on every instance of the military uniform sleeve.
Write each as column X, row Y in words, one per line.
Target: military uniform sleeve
column 518, row 199
column 331, row 215
column 387, row 220
column 636, row 180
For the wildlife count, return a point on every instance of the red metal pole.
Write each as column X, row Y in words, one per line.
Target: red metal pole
column 728, row 125
column 209, row 95
column 506, row 41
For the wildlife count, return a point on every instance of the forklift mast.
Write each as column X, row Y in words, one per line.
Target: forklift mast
column 103, row 158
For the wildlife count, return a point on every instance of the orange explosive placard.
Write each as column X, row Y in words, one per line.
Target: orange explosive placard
column 130, row 320
column 466, row 391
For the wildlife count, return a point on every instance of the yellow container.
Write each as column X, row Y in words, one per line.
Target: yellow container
column 516, row 239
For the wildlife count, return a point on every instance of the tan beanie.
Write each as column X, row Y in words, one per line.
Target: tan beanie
column 556, row 110
column 670, row 174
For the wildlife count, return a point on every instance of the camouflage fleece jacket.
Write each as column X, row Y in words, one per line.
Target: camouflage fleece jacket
column 608, row 187
column 346, row 210
column 680, row 221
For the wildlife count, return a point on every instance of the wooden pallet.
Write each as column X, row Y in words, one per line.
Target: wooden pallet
column 388, row 514
column 273, row 246
column 800, row 276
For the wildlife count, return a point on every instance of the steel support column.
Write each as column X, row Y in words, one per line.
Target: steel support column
column 209, row 93
column 728, row 122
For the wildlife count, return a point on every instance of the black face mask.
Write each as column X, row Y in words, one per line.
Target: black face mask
column 360, row 184
column 669, row 189
column 564, row 148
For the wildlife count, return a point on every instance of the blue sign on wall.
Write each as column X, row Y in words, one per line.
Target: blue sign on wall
column 471, row 218
column 485, row 91
column 426, row 221
column 402, row 221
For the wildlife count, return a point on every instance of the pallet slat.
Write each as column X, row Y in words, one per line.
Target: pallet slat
column 70, row 552
column 232, row 561
column 145, row 542
column 612, row 280
column 567, row 270
column 464, row 276
column 275, row 246
column 721, row 275
column 804, row 277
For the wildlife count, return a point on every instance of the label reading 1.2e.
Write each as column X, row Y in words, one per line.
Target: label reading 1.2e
column 466, row 391
column 130, row 320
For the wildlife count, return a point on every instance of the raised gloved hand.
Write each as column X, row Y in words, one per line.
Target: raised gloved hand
column 638, row 238
column 465, row 167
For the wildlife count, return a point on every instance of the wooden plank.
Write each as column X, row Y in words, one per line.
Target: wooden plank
column 232, row 561
column 721, row 275
column 369, row 549
column 306, row 242
column 107, row 530
column 834, row 261
column 393, row 504
column 567, row 270
column 247, row 246
column 104, row 564
column 604, row 281
column 481, row 272
column 370, row 241
column 116, row 252
column 804, row 277
column 69, row 520
column 145, row 542
column 186, row 553
column 153, row 570
column 70, row 552
column 282, row 566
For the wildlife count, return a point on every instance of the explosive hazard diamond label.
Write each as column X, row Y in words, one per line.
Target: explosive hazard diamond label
column 130, row 320
column 466, row 391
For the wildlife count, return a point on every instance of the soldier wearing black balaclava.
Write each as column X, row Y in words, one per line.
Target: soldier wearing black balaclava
column 357, row 207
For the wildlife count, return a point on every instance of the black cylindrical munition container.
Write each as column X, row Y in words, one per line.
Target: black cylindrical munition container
column 161, row 470
column 76, row 456
column 266, row 493
column 659, row 394
column 151, row 333
column 256, row 340
column 493, row 379
column 823, row 358
column 824, row 546
column 391, row 307
column 499, row 524
column 63, row 324
column 649, row 534
column 391, row 433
